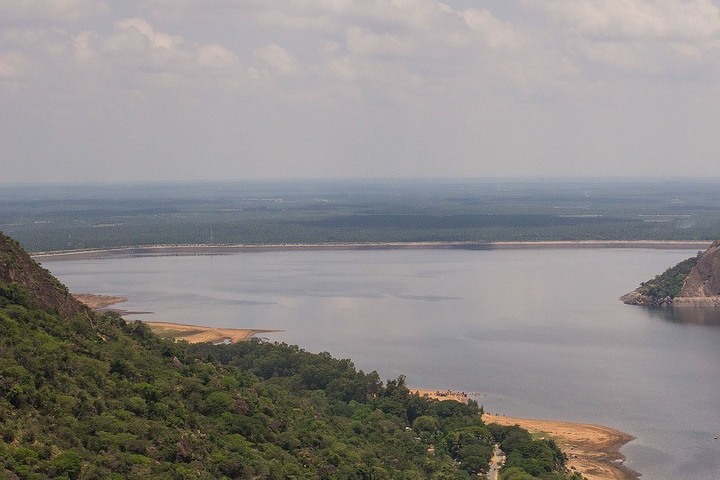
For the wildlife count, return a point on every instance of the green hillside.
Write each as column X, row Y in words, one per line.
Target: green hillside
column 669, row 283
column 88, row 396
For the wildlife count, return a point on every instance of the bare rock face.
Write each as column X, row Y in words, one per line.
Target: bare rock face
column 16, row 266
column 703, row 281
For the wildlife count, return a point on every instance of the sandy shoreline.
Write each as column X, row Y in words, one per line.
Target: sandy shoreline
column 200, row 334
column 176, row 331
column 98, row 302
column 207, row 249
column 592, row 450
column 441, row 395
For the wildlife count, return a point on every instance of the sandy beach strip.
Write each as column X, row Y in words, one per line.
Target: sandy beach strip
column 98, row 302
column 200, row 334
column 441, row 395
column 213, row 249
column 592, row 450
column 176, row 331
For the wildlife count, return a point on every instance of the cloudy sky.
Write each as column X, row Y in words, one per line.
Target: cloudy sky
column 100, row 90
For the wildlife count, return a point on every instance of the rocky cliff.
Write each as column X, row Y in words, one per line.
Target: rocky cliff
column 704, row 279
column 694, row 282
column 16, row 266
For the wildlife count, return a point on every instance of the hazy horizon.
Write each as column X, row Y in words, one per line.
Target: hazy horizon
column 157, row 91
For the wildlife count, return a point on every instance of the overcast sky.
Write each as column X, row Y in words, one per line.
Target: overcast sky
column 100, row 90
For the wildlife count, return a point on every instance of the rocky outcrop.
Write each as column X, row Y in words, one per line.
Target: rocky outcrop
column 703, row 281
column 700, row 287
column 17, row 267
column 637, row 298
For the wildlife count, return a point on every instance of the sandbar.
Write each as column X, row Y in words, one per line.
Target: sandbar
column 201, row 334
column 98, row 302
column 592, row 450
column 176, row 331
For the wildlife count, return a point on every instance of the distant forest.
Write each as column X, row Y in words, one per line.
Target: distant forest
column 64, row 217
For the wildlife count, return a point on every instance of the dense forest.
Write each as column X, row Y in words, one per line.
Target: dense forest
column 90, row 396
column 66, row 217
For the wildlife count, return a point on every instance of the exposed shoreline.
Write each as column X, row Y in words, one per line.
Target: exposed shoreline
column 99, row 302
column 592, row 450
column 176, row 331
column 200, row 334
column 212, row 249
column 441, row 395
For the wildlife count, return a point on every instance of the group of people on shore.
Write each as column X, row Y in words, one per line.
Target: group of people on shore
column 450, row 394
column 445, row 395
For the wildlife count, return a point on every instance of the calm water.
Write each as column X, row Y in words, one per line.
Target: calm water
column 537, row 333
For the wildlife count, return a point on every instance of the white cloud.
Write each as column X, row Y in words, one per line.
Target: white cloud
column 13, row 66
column 366, row 42
column 635, row 19
column 35, row 52
column 133, row 55
column 136, row 47
column 278, row 59
column 214, row 56
column 51, row 10
column 84, row 49
column 662, row 38
column 495, row 33
column 136, row 35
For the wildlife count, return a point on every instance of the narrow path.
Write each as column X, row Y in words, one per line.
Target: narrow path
column 496, row 463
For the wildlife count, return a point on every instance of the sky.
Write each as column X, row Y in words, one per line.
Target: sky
column 182, row 90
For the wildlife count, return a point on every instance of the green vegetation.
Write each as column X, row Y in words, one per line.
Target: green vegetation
column 87, row 396
column 528, row 458
column 670, row 282
column 49, row 218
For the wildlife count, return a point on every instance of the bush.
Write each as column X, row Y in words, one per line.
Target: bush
column 67, row 463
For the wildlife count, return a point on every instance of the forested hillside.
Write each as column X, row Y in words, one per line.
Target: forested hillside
column 670, row 282
column 88, row 396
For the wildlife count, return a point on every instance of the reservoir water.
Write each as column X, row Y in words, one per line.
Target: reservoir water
column 537, row 333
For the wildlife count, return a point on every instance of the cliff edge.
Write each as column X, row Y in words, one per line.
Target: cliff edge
column 16, row 267
column 704, row 279
column 694, row 282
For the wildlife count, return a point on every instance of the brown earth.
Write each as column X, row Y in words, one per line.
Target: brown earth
column 592, row 450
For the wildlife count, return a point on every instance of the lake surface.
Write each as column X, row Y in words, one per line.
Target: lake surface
column 538, row 333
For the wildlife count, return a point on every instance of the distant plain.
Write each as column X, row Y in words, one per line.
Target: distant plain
column 67, row 217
